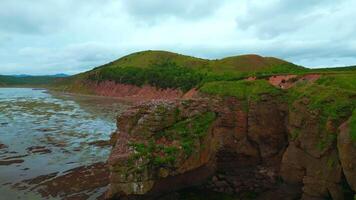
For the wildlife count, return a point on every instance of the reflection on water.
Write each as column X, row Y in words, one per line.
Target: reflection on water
column 42, row 133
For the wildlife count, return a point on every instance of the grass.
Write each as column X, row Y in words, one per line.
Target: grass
column 333, row 97
column 242, row 63
column 340, row 81
column 254, row 64
column 243, row 90
column 145, row 59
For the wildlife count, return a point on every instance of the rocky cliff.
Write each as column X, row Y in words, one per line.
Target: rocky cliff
column 270, row 148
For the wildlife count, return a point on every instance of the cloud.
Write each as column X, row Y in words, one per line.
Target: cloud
column 272, row 18
column 53, row 36
column 160, row 9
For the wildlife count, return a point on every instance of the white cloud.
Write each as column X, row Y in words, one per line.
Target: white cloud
column 52, row 36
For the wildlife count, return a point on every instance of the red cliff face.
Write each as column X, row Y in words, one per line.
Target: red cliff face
column 288, row 81
column 241, row 151
column 267, row 147
column 247, row 147
column 132, row 92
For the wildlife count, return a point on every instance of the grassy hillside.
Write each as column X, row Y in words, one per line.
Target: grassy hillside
column 146, row 59
column 170, row 70
column 254, row 63
column 333, row 95
column 243, row 63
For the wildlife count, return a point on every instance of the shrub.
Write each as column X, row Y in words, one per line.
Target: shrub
column 161, row 75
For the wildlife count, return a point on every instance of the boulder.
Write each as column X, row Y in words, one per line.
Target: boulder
column 347, row 154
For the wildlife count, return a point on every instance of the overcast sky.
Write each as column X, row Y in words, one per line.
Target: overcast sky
column 70, row 36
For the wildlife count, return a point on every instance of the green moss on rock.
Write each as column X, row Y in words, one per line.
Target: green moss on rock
column 187, row 133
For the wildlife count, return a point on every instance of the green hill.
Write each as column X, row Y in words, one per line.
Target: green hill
column 145, row 59
column 255, row 63
column 243, row 63
column 171, row 70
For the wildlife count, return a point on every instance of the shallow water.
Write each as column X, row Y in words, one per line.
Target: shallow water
column 60, row 126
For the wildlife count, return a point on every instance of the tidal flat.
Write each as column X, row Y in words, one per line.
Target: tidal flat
column 49, row 141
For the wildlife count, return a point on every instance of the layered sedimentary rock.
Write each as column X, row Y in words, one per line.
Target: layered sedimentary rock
column 158, row 142
column 230, row 145
column 311, row 158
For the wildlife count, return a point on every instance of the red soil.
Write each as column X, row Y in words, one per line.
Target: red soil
column 135, row 93
column 310, row 77
column 281, row 81
column 286, row 81
column 138, row 94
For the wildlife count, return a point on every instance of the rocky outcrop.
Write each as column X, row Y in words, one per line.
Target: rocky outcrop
column 347, row 153
column 312, row 159
column 207, row 137
column 161, row 147
column 229, row 145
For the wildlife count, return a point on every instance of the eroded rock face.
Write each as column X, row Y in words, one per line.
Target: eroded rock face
column 158, row 142
column 229, row 145
column 347, row 153
column 311, row 159
column 205, row 136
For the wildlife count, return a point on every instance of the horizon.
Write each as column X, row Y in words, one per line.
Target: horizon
column 61, row 36
column 69, row 74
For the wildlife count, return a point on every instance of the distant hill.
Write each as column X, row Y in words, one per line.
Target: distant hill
column 27, row 75
column 28, row 80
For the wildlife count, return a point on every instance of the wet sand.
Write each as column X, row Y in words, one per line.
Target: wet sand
column 54, row 146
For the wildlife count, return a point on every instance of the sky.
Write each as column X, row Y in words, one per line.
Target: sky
column 70, row 36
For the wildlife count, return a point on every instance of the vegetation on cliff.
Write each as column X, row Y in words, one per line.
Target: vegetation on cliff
column 161, row 75
column 186, row 132
column 332, row 96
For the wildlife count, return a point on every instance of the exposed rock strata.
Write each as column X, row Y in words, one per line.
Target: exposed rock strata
column 248, row 147
column 112, row 89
